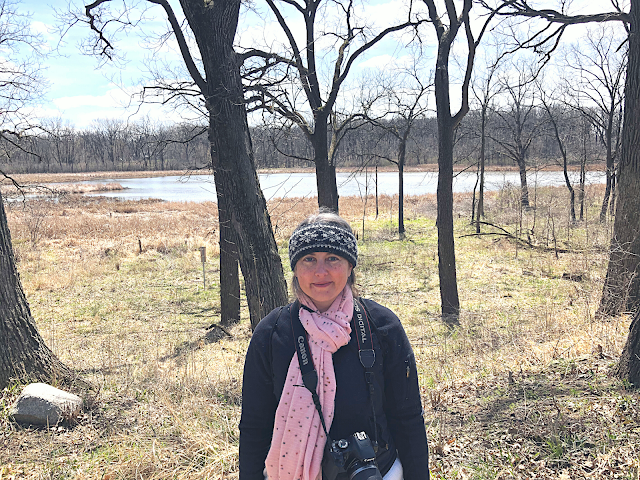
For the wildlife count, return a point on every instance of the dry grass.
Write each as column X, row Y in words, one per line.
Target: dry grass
column 518, row 390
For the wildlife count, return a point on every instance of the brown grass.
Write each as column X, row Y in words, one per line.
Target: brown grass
column 519, row 390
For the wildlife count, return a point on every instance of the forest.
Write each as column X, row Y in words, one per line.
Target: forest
column 111, row 145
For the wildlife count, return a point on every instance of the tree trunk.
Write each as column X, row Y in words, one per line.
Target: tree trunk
column 524, row 189
column 483, row 141
column 629, row 364
column 401, row 156
column 23, row 353
column 567, row 181
column 583, row 177
column 325, row 172
column 450, row 302
column 612, row 200
column 229, row 277
column 214, row 26
column 610, row 172
column 607, row 194
column 621, row 290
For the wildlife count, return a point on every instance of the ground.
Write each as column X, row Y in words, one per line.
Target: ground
column 520, row 389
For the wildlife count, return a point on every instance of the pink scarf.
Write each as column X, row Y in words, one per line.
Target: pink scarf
column 298, row 441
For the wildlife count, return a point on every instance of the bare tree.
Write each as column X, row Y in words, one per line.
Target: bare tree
column 447, row 124
column 23, row 352
column 558, row 117
column 289, row 82
column 519, row 123
column 485, row 88
column 403, row 100
column 594, row 72
column 243, row 215
column 621, row 291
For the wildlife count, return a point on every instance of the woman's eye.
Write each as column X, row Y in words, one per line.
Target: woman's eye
column 308, row 259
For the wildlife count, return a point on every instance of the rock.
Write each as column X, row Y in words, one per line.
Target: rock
column 42, row 404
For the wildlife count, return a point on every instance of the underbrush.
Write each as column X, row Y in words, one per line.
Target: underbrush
column 519, row 389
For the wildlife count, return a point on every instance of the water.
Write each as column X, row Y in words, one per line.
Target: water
column 200, row 188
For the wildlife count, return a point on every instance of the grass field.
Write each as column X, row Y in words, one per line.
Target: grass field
column 520, row 389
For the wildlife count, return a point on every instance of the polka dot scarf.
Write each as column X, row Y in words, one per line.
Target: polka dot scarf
column 298, row 441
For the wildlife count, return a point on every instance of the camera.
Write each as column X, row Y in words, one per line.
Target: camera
column 356, row 456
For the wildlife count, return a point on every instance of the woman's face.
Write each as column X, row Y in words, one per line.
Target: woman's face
column 322, row 277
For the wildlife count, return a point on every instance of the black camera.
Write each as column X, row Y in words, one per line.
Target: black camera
column 356, row 456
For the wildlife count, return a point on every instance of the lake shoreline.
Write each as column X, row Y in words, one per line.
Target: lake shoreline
column 40, row 178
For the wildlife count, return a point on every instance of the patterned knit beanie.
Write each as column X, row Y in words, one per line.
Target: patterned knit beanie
column 322, row 237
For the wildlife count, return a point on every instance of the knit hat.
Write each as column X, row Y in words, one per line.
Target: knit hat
column 322, row 237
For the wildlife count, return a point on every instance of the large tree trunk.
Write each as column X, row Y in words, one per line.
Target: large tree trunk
column 214, row 25
column 450, row 302
column 629, row 364
column 23, row 353
column 621, row 290
column 229, row 277
column 325, row 172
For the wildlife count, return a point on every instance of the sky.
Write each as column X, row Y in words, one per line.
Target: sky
column 82, row 89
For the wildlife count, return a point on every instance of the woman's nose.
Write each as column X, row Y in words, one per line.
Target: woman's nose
column 321, row 268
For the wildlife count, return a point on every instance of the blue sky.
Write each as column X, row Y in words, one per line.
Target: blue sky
column 82, row 90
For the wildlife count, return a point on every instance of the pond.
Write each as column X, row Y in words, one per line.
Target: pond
column 200, row 188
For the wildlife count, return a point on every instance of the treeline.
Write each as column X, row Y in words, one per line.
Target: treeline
column 111, row 145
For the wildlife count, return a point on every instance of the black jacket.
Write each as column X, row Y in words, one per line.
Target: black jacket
column 397, row 395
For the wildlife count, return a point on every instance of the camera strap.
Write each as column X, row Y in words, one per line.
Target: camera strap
column 360, row 323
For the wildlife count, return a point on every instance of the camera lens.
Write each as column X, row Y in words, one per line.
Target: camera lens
column 366, row 472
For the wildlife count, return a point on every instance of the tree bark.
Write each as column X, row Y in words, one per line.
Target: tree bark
column 229, row 277
column 628, row 366
column 450, row 302
column 621, row 290
column 325, row 171
column 401, row 157
column 524, row 189
column 483, row 141
column 23, row 353
column 214, row 25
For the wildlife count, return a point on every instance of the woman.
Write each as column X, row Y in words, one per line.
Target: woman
column 282, row 433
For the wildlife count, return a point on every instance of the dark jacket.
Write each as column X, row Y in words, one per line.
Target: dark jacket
column 396, row 397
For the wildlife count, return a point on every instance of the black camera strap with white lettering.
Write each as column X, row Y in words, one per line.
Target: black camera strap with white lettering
column 367, row 355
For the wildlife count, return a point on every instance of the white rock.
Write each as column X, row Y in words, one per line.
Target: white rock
column 42, row 404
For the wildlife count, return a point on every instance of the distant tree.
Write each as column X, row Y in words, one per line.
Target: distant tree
column 594, row 73
column 62, row 142
column 559, row 117
column 485, row 88
column 519, row 122
column 403, row 101
column 289, row 82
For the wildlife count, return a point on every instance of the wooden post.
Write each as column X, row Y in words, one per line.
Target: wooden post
column 203, row 259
